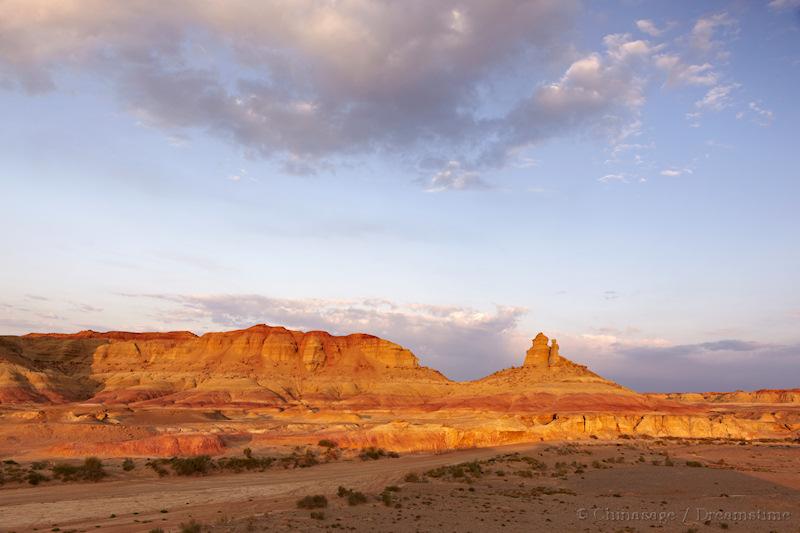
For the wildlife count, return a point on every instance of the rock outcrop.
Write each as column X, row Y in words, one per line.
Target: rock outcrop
column 739, row 396
column 540, row 355
column 176, row 393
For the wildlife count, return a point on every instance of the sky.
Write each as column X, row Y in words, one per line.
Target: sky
column 454, row 176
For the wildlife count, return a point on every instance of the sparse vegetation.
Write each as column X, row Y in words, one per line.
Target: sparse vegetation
column 34, row 477
column 412, row 477
column 374, row 453
column 549, row 491
column 317, row 501
column 353, row 497
column 128, row 465
column 192, row 466
column 90, row 470
column 461, row 470
column 157, row 467
column 356, row 498
column 694, row 464
column 327, row 443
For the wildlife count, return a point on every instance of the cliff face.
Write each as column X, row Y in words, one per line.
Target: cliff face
column 758, row 396
column 257, row 365
column 174, row 393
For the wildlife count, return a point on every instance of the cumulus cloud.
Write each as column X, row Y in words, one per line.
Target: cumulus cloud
column 462, row 342
column 307, row 83
column 648, row 26
column 310, row 84
column 300, row 81
column 600, row 93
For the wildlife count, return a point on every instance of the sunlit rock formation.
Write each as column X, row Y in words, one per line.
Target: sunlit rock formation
column 120, row 394
column 540, row 355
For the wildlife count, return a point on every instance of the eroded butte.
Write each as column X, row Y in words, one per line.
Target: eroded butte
column 164, row 394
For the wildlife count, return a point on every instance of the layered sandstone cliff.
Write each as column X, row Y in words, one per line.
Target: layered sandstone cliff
column 258, row 365
column 168, row 393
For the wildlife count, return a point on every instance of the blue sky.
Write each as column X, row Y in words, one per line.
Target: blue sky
column 453, row 176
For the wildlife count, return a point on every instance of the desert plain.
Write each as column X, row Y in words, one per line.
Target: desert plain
column 269, row 429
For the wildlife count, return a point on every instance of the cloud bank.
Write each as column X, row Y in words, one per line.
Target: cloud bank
column 308, row 84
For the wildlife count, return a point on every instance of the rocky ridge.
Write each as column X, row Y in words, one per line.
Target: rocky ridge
column 175, row 392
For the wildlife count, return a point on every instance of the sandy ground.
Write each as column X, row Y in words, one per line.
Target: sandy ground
column 581, row 487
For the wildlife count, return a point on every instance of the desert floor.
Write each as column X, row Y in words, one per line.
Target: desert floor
column 588, row 486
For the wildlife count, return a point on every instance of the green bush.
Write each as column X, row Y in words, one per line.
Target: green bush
column 412, row 477
column 353, row 497
column 157, row 468
column 372, row 453
column 694, row 464
column 128, row 465
column 534, row 463
column 317, row 515
column 327, row 443
column 317, row 501
column 460, row 470
column 90, row 470
column 191, row 466
column 34, row 477
column 356, row 498
column 93, row 469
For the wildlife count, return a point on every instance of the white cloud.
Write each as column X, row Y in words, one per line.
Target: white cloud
column 717, row 98
column 672, row 171
column 609, row 178
column 763, row 117
column 302, row 82
column 453, row 177
column 780, row 5
column 648, row 26
column 706, row 29
column 679, row 72
column 598, row 93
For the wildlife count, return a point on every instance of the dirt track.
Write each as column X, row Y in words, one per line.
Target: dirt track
column 87, row 505
column 735, row 477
